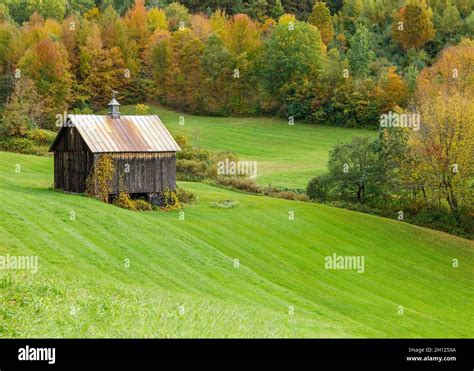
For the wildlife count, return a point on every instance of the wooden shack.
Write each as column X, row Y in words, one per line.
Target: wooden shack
column 143, row 151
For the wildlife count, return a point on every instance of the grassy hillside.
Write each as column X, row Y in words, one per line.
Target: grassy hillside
column 287, row 155
column 85, row 289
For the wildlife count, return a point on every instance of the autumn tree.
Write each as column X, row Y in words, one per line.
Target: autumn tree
column 112, row 29
column 452, row 72
column 9, row 36
column 413, row 26
column 46, row 63
column 101, row 70
column 241, row 34
column 218, row 20
column 241, row 37
column 218, row 69
column 156, row 20
column 136, row 22
column 183, row 75
column 391, row 91
column 157, row 59
column 23, row 110
column 4, row 13
column 201, row 26
column 446, row 143
column 321, row 18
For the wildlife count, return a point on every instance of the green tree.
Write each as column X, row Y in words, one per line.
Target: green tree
column 276, row 9
column 177, row 15
column 360, row 54
column 19, row 10
column 257, row 9
column 292, row 54
column 48, row 9
column 451, row 22
column 352, row 168
column 80, row 6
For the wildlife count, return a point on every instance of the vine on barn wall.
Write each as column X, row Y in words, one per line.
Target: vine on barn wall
column 99, row 184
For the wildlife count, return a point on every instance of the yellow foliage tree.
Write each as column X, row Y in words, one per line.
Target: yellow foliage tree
column 321, row 18
column 452, row 72
column 391, row 90
column 413, row 26
column 446, row 145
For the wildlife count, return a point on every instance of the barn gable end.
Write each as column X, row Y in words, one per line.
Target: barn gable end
column 73, row 161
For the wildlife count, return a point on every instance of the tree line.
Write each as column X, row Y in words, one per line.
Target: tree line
column 346, row 64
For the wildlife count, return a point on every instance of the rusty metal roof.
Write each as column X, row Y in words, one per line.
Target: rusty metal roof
column 104, row 134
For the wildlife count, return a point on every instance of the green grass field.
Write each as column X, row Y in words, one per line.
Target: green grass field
column 182, row 280
column 286, row 155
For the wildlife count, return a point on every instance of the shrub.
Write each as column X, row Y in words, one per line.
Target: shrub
column 191, row 170
column 288, row 195
column 35, row 142
column 166, row 200
column 185, row 197
column 141, row 109
column 249, row 186
column 240, row 183
column 142, row 205
column 182, row 142
column 318, row 188
column 170, row 199
column 99, row 182
column 124, row 201
column 41, row 136
column 15, row 144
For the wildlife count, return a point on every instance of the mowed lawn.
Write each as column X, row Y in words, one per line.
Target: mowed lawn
column 243, row 272
column 286, row 155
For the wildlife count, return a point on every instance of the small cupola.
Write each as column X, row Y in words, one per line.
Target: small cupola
column 114, row 111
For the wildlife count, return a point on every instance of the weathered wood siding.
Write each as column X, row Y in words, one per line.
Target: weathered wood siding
column 140, row 172
column 144, row 172
column 72, row 162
